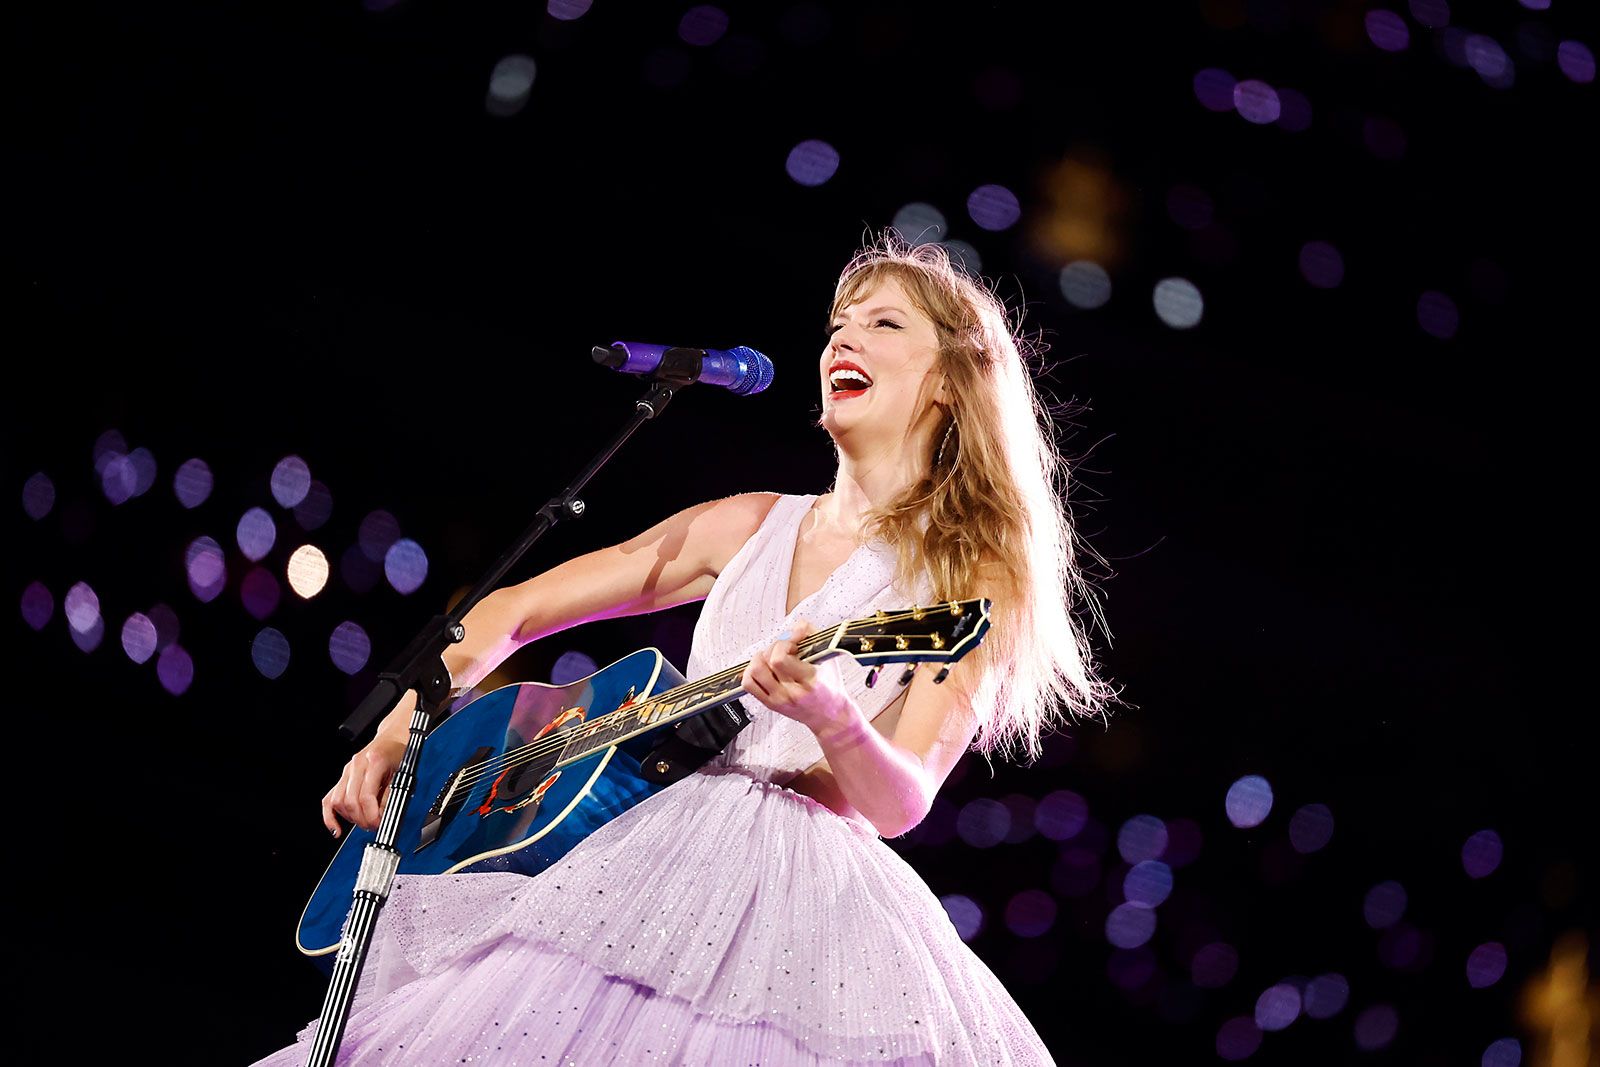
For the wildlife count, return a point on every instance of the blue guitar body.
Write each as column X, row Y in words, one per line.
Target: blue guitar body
column 503, row 820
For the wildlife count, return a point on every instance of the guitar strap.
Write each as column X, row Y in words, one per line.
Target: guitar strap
column 689, row 745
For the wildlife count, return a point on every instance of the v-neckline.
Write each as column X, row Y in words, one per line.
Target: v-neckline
column 794, row 550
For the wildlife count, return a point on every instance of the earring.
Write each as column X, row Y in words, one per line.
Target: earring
column 939, row 458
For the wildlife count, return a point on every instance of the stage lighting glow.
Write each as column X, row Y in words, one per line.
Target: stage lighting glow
column 1481, row 854
column 1387, row 30
column 270, row 652
column 1376, row 1027
column 139, row 637
column 206, row 568
column 1184, row 842
column 1190, row 207
column 256, row 534
column 1020, row 808
column 82, row 607
column 1238, row 1038
column 1213, row 87
column 37, row 605
column 1326, row 996
column 1321, row 264
column 1256, row 102
column 1311, row 828
column 1249, row 801
column 1031, row 913
column 920, row 223
column 358, row 571
column 812, row 162
column 1486, row 965
column 109, row 444
column 510, row 83
column 1085, row 284
column 1437, row 315
column 1075, row 873
column 1178, row 303
column 118, row 478
column 349, row 647
column 702, row 25
column 378, row 531
column 571, row 666
column 1130, row 969
column 192, row 483
column 291, row 479
column 1384, row 905
column 1507, row 1052
column 1486, row 56
column 1060, row 815
column 994, row 207
column 1143, row 837
column 38, row 495
column 175, row 669
column 965, row 915
column 963, row 255
column 314, row 510
column 166, row 621
column 1433, row 14
column 89, row 640
column 307, row 571
column 406, row 566
column 983, row 822
column 1147, row 884
column 260, row 592
column 1383, row 137
column 1214, row 965
column 1294, row 110
column 1129, row 927
column 1576, row 61
column 1277, row 1006
column 568, row 10
column 1535, row 5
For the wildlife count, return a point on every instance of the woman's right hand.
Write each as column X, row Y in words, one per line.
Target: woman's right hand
column 364, row 786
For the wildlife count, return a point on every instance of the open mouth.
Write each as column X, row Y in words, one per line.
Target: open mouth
column 845, row 380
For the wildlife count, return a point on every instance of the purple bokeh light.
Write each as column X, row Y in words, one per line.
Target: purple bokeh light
column 1506, row 1052
column 315, row 509
column 1387, row 30
column 571, row 666
column 139, row 637
column 1147, row 884
column 175, row 668
column 1238, row 1038
column 118, row 478
column 983, row 822
column 38, row 605
column 1486, row 965
column 377, row 532
column 994, row 207
column 1481, row 854
column 1129, row 926
column 1249, row 801
column 1278, row 1006
column 406, row 566
column 349, row 647
column 1031, row 913
column 812, row 162
column 1256, row 102
column 38, row 495
column 291, row 480
column 965, row 915
column 89, row 640
column 568, row 10
column 358, row 570
column 702, row 25
column 1437, row 315
column 1294, row 110
column 1576, row 61
column 1326, row 995
column 1434, row 14
column 1376, row 1027
column 260, row 592
column 270, row 652
column 192, row 483
column 1214, row 965
column 166, row 621
column 1321, row 264
column 1143, row 837
column 1384, row 905
column 256, row 534
column 1213, row 87
column 206, row 568
column 1130, row 969
column 1311, row 828
column 82, row 607
column 1021, row 810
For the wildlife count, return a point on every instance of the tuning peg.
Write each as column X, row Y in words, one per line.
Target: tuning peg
column 944, row 672
column 905, row 679
column 872, row 676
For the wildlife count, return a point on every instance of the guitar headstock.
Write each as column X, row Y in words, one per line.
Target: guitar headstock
column 942, row 632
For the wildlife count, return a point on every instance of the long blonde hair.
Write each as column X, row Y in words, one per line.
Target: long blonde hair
column 991, row 512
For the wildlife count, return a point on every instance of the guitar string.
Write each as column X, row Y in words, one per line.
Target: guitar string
column 555, row 742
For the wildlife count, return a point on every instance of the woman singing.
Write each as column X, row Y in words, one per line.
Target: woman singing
column 750, row 913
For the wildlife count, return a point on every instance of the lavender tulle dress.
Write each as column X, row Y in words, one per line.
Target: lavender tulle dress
column 725, row 921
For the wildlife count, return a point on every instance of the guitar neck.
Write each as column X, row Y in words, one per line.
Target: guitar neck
column 691, row 698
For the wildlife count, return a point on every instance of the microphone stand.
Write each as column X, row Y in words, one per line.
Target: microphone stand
column 421, row 667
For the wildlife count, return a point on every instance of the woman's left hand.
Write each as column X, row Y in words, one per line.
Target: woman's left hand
column 790, row 686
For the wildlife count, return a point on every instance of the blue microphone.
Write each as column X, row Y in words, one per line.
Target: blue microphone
column 740, row 370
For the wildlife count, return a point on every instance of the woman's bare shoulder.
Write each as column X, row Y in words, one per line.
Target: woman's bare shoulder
column 732, row 521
